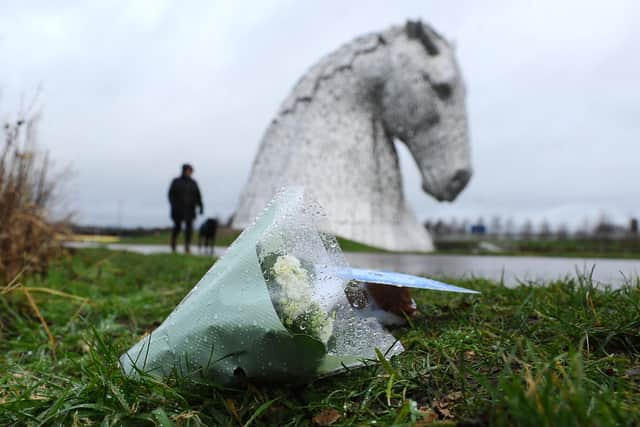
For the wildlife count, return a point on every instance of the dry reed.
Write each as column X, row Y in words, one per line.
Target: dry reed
column 29, row 237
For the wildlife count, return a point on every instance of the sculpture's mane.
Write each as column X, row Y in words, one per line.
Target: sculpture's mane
column 343, row 58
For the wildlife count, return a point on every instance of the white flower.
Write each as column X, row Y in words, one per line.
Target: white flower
column 297, row 309
column 294, row 279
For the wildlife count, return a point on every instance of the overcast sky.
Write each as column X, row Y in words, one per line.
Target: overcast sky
column 132, row 89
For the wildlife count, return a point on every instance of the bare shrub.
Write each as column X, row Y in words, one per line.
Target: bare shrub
column 29, row 237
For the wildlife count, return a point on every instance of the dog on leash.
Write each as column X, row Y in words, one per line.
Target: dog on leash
column 207, row 235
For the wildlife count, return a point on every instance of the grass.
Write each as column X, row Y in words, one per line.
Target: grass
column 563, row 355
column 589, row 247
column 626, row 248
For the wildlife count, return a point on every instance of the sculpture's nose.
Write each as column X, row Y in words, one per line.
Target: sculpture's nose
column 457, row 182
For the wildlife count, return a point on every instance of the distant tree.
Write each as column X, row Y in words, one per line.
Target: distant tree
column 605, row 226
column 584, row 229
column 545, row 229
column 509, row 226
column 440, row 227
column 496, row 225
column 526, row 231
column 453, row 226
column 464, row 226
column 563, row 231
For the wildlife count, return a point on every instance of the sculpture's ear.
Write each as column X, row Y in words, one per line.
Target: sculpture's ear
column 416, row 30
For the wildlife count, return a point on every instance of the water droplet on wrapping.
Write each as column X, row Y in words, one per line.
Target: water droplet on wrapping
column 356, row 295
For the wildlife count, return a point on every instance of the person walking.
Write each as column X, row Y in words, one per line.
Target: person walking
column 184, row 197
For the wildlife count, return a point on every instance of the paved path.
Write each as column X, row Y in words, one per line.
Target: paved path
column 144, row 249
column 511, row 270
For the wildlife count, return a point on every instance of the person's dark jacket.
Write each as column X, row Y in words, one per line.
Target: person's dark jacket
column 184, row 197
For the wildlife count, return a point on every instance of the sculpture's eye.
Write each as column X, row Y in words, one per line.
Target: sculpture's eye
column 443, row 91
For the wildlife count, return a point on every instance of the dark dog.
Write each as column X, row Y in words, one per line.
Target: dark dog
column 207, row 235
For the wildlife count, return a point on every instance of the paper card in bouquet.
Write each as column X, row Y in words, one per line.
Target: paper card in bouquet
column 399, row 279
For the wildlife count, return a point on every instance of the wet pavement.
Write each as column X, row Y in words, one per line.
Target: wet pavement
column 511, row 270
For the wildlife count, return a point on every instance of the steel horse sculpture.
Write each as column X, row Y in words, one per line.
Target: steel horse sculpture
column 335, row 134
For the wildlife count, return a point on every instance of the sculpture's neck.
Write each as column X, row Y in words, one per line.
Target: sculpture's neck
column 333, row 120
column 351, row 133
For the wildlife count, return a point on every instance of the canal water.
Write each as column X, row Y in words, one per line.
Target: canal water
column 510, row 270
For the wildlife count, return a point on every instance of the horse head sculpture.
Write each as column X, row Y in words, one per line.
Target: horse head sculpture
column 423, row 106
column 335, row 135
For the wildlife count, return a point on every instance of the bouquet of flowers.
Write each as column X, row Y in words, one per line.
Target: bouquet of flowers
column 281, row 305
